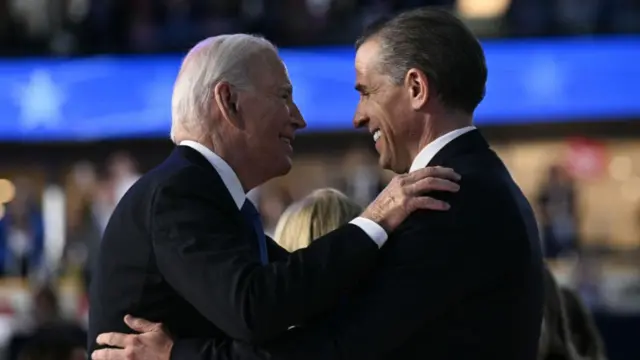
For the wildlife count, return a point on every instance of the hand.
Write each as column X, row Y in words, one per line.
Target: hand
column 405, row 194
column 152, row 344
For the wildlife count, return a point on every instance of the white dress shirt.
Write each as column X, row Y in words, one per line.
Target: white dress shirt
column 428, row 152
column 231, row 181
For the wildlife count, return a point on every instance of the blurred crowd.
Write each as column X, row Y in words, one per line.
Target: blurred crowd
column 43, row 315
column 81, row 27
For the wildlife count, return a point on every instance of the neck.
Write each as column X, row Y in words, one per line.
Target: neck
column 246, row 174
column 437, row 126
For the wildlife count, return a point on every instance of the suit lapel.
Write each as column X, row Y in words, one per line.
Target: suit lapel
column 183, row 154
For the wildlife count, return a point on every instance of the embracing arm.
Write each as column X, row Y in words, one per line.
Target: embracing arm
column 399, row 300
column 205, row 259
column 375, row 322
column 245, row 298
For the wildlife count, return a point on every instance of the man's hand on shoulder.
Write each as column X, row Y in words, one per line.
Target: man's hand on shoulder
column 409, row 192
column 153, row 343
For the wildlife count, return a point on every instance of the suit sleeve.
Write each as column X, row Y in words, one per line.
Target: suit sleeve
column 216, row 349
column 207, row 260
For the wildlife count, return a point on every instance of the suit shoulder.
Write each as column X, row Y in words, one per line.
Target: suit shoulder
column 488, row 195
column 484, row 175
column 170, row 174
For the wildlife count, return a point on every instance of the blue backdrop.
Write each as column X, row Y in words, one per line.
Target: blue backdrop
column 105, row 97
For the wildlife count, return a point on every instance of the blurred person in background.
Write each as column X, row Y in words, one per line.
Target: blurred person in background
column 568, row 330
column 319, row 213
column 46, row 323
column 22, row 232
column 584, row 334
column 123, row 172
column 361, row 178
column 271, row 203
column 84, row 228
column 588, row 279
column 460, row 284
column 104, row 200
column 557, row 204
column 233, row 120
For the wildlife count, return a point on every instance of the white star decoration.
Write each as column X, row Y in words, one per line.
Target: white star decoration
column 40, row 101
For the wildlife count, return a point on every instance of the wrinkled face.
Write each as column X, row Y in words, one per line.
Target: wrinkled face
column 268, row 118
column 387, row 110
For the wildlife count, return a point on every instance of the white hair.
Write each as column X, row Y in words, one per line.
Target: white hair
column 213, row 60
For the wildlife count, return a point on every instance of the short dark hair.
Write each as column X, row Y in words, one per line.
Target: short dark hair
column 437, row 43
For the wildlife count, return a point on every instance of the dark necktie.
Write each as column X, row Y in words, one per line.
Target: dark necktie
column 253, row 216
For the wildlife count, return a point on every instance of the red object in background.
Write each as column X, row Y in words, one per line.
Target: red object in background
column 585, row 159
column 83, row 306
column 6, row 308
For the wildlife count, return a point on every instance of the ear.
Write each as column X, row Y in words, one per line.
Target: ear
column 226, row 98
column 417, row 85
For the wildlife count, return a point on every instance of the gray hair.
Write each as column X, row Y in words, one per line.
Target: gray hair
column 213, row 60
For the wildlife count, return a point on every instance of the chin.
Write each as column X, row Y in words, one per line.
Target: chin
column 389, row 164
column 283, row 167
column 385, row 163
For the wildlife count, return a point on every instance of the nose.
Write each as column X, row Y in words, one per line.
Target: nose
column 296, row 117
column 360, row 119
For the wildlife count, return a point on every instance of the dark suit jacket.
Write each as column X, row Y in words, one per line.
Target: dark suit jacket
column 178, row 251
column 461, row 284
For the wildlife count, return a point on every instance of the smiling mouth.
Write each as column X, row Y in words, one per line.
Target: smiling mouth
column 286, row 139
column 376, row 135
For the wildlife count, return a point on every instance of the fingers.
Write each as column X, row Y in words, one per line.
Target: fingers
column 116, row 339
column 432, row 184
column 434, row 171
column 141, row 325
column 428, row 203
column 109, row 354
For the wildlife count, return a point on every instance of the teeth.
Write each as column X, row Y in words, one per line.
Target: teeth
column 376, row 135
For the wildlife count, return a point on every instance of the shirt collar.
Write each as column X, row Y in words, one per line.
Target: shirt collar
column 428, row 152
column 229, row 177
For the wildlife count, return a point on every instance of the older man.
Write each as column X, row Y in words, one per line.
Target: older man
column 185, row 247
column 461, row 284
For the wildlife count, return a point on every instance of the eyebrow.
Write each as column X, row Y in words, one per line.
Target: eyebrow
column 288, row 88
column 360, row 88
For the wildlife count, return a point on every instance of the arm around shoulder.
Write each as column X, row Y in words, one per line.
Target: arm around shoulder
column 204, row 256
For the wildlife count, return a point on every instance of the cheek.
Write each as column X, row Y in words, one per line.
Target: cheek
column 395, row 113
column 261, row 120
column 383, row 117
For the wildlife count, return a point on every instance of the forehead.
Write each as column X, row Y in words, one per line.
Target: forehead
column 272, row 71
column 367, row 58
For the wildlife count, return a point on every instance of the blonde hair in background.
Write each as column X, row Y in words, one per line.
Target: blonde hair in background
column 319, row 213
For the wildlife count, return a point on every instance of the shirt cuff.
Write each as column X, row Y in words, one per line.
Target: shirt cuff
column 371, row 228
